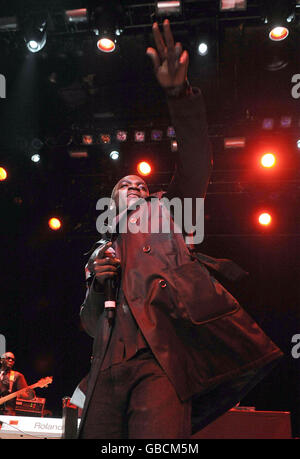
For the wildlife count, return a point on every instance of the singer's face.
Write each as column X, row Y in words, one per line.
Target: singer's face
column 128, row 190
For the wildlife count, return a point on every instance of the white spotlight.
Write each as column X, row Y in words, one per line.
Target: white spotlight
column 203, row 49
column 35, row 35
column 114, row 155
column 35, row 158
column 32, row 45
column 35, row 46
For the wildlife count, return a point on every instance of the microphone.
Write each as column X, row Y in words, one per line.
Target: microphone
column 110, row 300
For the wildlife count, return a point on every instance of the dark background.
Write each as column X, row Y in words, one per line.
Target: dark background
column 68, row 89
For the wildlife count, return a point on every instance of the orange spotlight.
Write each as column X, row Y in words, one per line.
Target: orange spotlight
column 3, row 174
column 87, row 139
column 106, row 45
column 264, row 219
column 268, row 160
column 144, row 168
column 278, row 33
column 54, row 223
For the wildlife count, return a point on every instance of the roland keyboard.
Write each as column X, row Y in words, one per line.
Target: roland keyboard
column 30, row 427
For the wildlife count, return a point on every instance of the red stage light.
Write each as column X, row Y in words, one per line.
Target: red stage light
column 106, row 45
column 264, row 219
column 144, row 168
column 268, row 160
column 139, row 136
column 54, row 223
column 87, row 139
column 121, row 136
column 278, row 33
column 3, row 174
column 105, row 138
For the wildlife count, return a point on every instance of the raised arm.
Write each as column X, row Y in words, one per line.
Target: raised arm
column 187, row 111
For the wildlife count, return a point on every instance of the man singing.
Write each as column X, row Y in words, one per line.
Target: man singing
column 179, row 347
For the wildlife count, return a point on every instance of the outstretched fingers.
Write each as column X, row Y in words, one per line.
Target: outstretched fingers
column 169, row 40
column 169, row 60
column 178, row 50
column 151, row 52
column 183, row 64
column 159, row 42
column 171, row 55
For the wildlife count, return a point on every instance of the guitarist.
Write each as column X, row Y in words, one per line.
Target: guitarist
column 12, row 381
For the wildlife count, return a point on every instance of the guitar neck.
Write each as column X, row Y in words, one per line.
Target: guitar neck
column 15, row 394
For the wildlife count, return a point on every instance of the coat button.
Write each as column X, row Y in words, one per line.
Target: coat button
column 146, row 249
column 162, row 283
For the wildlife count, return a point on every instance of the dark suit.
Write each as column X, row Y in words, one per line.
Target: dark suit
column 199, row 335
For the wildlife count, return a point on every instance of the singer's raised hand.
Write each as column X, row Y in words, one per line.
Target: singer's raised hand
column 170, row 62
column 106, row 265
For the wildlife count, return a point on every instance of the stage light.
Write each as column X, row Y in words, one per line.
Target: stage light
column 32, row 46
column 174, row 145
column 268, row 124
column 35, row 34
column 171, row 132
column 78, row 153
column 203, row 49
column 105, row 20
column 77, row 15
column 105, row 138
column 234, row 142
column 144, row 168
column 87, row 139
column 264, row 219
column 279, row 33
column 121, row 136
column 298, row 144
column 233, row 5
column 54, row 223
column 3, row 174
column 35, row 158
column 268, row 160
column 278, row 15
column 106, row 45
column 34, row 148
column 139, row 136
column 35, row 46
column 168, row 8
column 204, row 41
column 114, row 155
column 156, row 135
column 286, row 121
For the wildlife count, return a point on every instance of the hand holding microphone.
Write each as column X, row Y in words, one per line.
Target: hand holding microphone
column 106, row 267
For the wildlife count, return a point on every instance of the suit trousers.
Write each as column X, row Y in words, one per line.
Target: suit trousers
column 135, row 400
